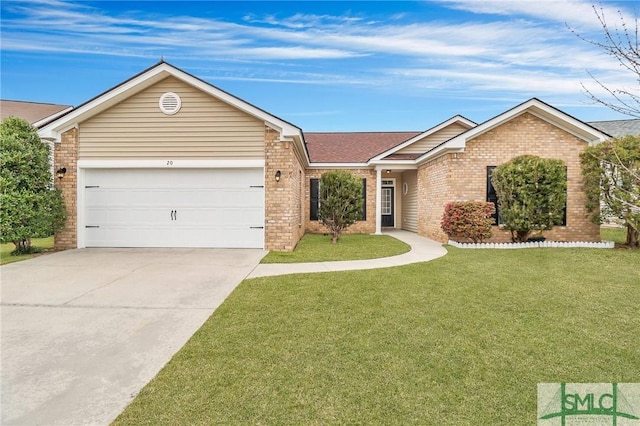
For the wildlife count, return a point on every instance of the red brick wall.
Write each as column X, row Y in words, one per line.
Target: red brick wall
column 66, row 155
column 466, row 174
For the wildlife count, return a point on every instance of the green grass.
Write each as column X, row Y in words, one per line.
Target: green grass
column 318, row 248
column 6, row 249
column 617, row 235
column 462, row 340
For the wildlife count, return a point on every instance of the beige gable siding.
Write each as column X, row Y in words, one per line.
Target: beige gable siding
column 204, row 128
column 433, row 140
column 410, row 201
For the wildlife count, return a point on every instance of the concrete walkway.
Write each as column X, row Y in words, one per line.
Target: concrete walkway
column 422, row 250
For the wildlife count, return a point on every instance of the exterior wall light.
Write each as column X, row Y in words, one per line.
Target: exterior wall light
column 278, row 174
column 60, row 173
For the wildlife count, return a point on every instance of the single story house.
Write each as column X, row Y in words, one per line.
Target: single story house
column 166, row 159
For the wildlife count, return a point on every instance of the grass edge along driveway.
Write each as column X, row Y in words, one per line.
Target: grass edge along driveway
column 318, row 248
column 464, row 339
column 46, row 244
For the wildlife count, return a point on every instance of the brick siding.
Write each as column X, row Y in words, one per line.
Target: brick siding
column 66, row 155
column 459, row 177
column 284, row 206
column 360, row 227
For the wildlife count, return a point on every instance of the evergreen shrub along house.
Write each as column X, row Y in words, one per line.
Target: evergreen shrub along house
column 165, row 159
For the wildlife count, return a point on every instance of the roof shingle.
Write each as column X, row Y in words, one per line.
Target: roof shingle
column 618, row 128
column 30, row 111
column 349, row 147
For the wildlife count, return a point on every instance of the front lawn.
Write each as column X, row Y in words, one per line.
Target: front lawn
column 464, row 339
column 6, row 249
column 617, row 235
column 318, row 248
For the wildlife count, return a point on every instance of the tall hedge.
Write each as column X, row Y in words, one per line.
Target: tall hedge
column 29, row 206
column 532, row 194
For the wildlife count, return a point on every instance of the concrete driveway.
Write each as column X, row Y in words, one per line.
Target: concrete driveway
column 84, row 330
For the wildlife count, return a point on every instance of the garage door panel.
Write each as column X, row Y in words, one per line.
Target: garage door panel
column 237, row 238
column 230, row 218
column 174, row 208
column 129, row 236
column 133, row 216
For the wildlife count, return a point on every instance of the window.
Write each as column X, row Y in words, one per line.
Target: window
column 387, row 201
column 492, row 197
column 314, row 200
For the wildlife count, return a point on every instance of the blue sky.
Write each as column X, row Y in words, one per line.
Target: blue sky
column 324, row 66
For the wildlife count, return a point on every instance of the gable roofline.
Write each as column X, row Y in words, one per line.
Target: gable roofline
column 147, row 78
column 40, row 123
column 534, row 106
column 455, row 119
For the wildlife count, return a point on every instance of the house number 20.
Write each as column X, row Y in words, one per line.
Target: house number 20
column 169, row 162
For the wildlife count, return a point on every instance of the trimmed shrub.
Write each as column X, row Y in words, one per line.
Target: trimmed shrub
column 532, row 194
column 340, row 199
column 470, row 220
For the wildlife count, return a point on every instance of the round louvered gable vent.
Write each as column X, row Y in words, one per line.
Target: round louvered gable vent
column 170, row 103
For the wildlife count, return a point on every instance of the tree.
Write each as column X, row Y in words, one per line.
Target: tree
column 29, row 206
column 620, row 43
column 532, row 194
column 340, row 199
column 611, row 173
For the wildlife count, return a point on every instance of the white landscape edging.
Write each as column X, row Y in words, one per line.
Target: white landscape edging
column 555, row 244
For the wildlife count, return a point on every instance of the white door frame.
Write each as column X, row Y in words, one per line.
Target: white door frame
column 393, row 201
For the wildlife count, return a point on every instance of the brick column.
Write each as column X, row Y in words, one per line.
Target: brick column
column 283, row 222
column 66, row 155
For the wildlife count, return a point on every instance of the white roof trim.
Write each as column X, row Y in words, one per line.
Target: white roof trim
column 534, row 106
column 389, row 164
column 175, row 164
column 456, row 119
column 339, row 165
column 51, row 117
column 438, row 151
column 146, row 79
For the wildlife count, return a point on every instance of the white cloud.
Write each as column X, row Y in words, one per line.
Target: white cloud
column 529, row 50
column 576, row 13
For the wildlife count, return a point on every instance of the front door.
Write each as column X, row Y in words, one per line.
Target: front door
column 388, row 219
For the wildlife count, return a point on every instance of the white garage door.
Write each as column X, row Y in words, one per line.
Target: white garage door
column 174, row 208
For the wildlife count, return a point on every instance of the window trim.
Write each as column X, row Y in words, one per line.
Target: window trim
column 314, row 199
column 492, row 197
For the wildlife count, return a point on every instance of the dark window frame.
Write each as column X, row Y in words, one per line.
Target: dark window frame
column 492, row 197
column 314, row 199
